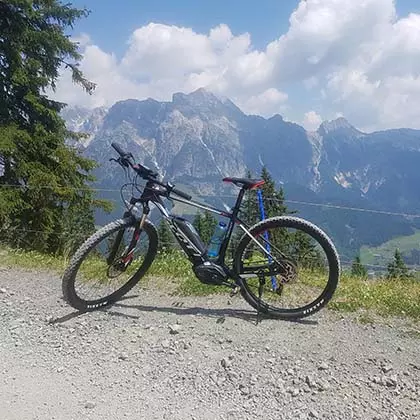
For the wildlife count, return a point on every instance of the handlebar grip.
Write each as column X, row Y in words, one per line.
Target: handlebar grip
column 119, row 150
column 181, row 194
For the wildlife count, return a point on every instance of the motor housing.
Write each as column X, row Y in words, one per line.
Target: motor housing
column 210, row 273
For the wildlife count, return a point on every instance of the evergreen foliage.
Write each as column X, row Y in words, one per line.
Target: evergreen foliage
column 357, row 269
column 273, row 197
column 205, row 224
column 166, row 241
column 397, row 268
column 44, row 193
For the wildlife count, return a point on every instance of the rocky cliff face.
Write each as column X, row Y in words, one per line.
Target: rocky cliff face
column 197, row 139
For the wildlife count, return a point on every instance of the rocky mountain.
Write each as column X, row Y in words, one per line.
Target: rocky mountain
column 83, row 120
column 197, row 139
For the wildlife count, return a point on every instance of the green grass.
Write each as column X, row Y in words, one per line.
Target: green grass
column 173, row 274
column 176, row 268
column 383, row 297
column 172, row 271
column 366, row 318
column 31, row 260
column 385, row 252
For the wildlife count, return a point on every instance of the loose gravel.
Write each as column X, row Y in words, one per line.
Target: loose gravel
column 153, row 356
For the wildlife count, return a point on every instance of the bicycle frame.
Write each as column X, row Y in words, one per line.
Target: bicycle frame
column 152, row 194
column 246, row 263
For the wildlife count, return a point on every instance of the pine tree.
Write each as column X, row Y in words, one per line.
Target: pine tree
column 273, row 198
column 198, row 222
column 166, row 241
column 357, row 269
column 301, row 248
column 209, row 222
column 43, row 183
column 205, row 224
column 397, row 268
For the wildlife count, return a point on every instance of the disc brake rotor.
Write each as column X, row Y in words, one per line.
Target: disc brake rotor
column 288, row 272
column 118, row 267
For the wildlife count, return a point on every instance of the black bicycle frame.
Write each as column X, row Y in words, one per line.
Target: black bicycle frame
column 153, row 193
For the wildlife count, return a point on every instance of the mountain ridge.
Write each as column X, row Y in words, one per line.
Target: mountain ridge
column 198, row 138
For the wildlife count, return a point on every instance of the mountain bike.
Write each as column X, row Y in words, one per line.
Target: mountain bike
column 283, row 266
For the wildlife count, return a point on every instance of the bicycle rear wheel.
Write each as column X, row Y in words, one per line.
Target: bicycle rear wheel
column 300, row 274
column 99, row 273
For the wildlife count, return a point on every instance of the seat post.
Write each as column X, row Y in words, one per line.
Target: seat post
column 238, row 203
column 231, row 226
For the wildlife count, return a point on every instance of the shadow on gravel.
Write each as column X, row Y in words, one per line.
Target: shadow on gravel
column 179, row 309
column 219, row 314
column 75, row 314
column 66, row 317
column 195, row 310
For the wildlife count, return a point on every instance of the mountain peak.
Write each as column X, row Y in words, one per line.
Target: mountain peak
column 200, row 96
column 205, row 103
column 202, row 92
column 336, row 124
column 339, row 124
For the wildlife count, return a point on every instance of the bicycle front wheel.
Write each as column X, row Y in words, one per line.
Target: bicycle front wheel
column 101, row 272
column 290, row 270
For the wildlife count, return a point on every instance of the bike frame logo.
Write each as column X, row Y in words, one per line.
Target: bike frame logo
column 183, row 240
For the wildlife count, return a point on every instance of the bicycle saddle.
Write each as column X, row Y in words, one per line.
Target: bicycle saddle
column 245, row 183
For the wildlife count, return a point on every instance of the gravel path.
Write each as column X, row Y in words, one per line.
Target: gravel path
column 158, row 357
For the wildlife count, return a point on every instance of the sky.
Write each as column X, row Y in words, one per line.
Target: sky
column 308, row 60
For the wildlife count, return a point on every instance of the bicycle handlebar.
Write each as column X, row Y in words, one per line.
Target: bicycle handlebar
column 181, row 193
column 145, row 172
column 119, row 150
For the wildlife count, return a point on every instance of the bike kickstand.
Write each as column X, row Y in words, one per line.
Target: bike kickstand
column 261, row 280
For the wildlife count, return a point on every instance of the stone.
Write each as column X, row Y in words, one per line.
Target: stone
column 226, row 363
column 313, row 414
column 323, row 366
column 323, row 385
column 387, row 368
column 175, row 329
column 391, row 381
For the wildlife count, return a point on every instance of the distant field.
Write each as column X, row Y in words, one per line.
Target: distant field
column 383, row 254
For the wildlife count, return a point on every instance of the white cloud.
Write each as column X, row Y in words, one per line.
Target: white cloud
column 161, row 52
column 379, row 86
column 311, row 121
column 162, row 59
column 82, row 39
column 266, row 103
column 325, row 34
column 354, row 57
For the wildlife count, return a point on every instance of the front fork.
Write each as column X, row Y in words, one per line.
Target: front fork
column 127, row 256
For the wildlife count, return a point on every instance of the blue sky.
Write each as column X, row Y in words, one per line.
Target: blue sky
column 110, row 23
column 309, row 60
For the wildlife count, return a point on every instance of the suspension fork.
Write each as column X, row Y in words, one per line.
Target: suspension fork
column 127, row 256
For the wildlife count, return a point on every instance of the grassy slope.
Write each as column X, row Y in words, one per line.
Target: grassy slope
column 386, row 250
column 174, row 275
